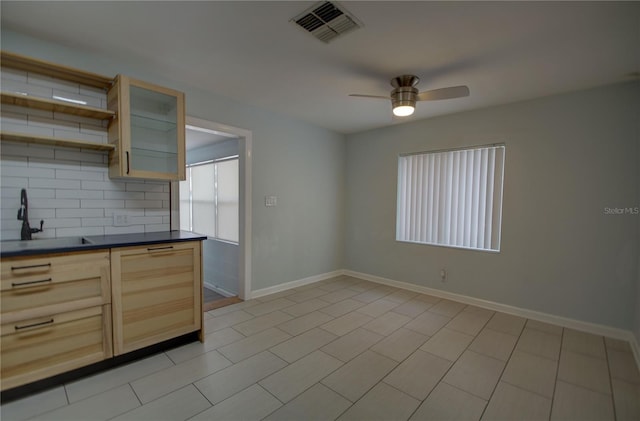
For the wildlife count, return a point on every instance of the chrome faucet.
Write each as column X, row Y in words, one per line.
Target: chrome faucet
column 23, row 215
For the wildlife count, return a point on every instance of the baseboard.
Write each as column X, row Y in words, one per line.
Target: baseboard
column 219, row 290
column 594, row 328
column 295, row 284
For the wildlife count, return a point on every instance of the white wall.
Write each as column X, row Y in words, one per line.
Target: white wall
column 302, row 164
column 567, row 158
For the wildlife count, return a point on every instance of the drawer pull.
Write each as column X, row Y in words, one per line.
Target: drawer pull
column 21, row 284
column 159, row 248
column 46, row 322
column 44, row 265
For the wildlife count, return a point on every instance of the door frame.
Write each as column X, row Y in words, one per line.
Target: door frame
column 245, row 148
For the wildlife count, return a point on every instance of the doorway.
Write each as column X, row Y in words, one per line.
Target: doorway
column 218, row 169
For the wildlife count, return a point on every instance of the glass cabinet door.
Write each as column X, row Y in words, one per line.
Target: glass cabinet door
column 154, row 131
column 151, row 127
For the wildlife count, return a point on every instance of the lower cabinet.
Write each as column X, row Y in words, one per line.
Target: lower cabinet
column 68, row 310
column 41, row 347
column 56, row 315
column 156, row 293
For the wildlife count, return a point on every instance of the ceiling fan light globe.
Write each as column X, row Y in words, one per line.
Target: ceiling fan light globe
column 403, row 110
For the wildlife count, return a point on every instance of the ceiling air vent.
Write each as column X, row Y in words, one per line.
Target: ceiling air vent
column 326, row 21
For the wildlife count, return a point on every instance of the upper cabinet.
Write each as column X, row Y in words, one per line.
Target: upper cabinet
column 146, row 122
column 148, row 131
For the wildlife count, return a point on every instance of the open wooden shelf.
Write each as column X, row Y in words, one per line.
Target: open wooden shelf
column 56, row 106
column 54, row 141
column 17, row 61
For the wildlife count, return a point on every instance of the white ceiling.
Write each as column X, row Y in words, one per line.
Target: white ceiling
column 249, row 51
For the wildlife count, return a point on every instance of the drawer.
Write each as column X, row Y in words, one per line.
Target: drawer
column 35, row 282
column 157, row 294
column 37, row 348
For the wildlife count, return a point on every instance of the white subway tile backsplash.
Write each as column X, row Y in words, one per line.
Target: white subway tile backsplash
column 12, row 171
column 117, row 194
column 52, row 203
column 79, row 213
column 14, row 148
column 74, row 232
column 146, row 220
column 93, row 92
column 42, row 80
column 22, row 182
column 142, row 204
column 124, row 230
column 90, row 203
column 62, row 223
column 96, row 222
column 79, row 194
column 14, row 161
column 145, row 187
column 54, row 183
column 13, row 74
column 157, row 228
column 90, row 101
column 107, row 185
column 156, row 212
column 53, row 124
column 22, row 87
column 32, row 130
column 79, row 175
column 41, row 213
column 76, row 155
column 10, row 234
column 13, row 118
column 26, row 111
column 156, row 196
column 55, row 164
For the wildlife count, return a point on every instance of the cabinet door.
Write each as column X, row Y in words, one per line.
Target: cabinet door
column 40, row 347
column 156, row 293
column 35, row 285
column 148, row 132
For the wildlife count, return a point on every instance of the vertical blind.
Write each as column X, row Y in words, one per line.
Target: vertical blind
column 451, row 198
column 209, row 200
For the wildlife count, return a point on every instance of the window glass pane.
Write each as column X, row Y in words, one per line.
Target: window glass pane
column 228, row 194
column 203, row 199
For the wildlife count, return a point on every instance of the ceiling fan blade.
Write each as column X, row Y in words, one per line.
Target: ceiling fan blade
column 444, row 93
column 370, row 96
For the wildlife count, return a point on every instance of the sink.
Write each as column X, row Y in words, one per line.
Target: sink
column 45, row 243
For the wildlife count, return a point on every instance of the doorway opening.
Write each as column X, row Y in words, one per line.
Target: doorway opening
column 214, row 201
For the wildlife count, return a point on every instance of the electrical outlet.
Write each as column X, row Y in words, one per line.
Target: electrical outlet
column 443, row 275
column 270, row 201
column 121, row 219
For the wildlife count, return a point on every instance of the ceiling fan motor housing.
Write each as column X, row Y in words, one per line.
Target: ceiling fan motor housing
column 404, row 95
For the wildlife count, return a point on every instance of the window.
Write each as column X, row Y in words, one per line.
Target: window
column 209, row 199
column 451, row 198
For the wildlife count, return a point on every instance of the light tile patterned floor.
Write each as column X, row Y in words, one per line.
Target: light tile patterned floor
column 349, row 349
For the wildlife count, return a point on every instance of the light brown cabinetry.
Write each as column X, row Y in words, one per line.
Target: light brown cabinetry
column 56, row 314
column 148, row 132
column 156, row 293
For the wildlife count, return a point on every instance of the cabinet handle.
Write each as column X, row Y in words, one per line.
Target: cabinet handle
column 21, row 284
column 127, row 152
column 159, row 248
column 46, row 322
column 31, row 266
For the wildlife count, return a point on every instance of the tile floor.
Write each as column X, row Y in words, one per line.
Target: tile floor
column 349, row 349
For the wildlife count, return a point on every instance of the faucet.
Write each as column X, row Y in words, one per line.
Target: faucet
column 23, row 215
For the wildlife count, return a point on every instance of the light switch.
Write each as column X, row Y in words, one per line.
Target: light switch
column 270, row 201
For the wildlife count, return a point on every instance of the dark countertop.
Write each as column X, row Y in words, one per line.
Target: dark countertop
column 13, row 248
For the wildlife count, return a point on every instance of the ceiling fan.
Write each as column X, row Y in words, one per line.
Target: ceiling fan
column 405, row 94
